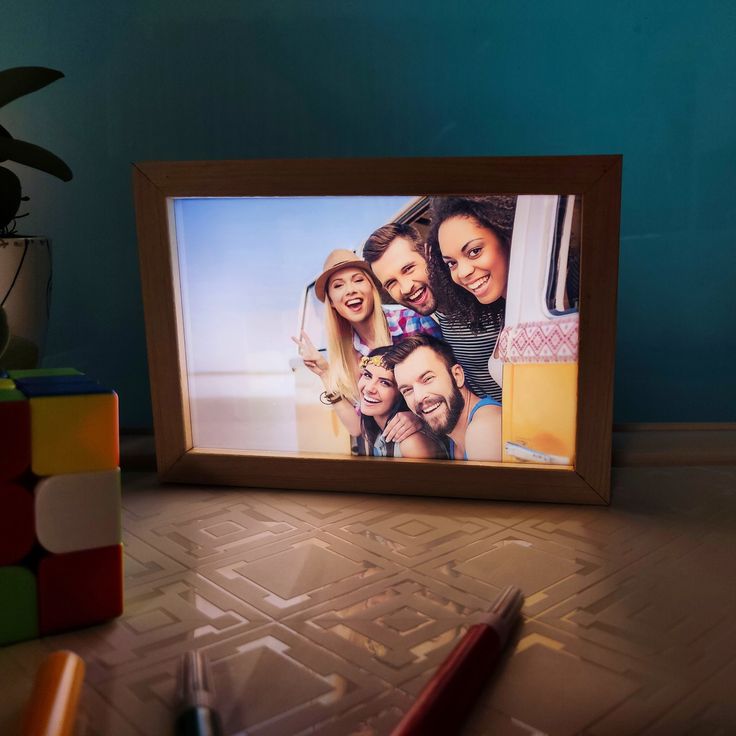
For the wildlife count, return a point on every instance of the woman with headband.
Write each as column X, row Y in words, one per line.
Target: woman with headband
column 380, row 400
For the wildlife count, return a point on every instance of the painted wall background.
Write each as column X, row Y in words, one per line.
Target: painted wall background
column 181, row 79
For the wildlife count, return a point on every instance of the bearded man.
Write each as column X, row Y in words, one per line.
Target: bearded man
column 432, row 383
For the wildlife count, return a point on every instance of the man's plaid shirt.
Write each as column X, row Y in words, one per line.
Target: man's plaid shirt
column 402, row 322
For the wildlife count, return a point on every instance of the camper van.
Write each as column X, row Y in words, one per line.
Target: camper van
column 535, row 360
column 538, row 345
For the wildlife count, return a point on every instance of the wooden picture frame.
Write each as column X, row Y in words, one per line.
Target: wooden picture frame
column 596, row 179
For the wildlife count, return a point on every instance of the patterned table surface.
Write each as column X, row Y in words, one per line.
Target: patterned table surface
column 326, row 613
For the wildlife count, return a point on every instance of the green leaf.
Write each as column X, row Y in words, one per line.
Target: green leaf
column 34, row 156
column 22, row 80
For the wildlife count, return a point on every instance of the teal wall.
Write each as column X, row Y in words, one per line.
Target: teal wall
column 185, row 79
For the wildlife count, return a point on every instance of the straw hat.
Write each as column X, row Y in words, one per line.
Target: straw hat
column 336, row 261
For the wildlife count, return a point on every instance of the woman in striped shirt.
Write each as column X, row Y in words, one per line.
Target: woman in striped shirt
column 469, row 248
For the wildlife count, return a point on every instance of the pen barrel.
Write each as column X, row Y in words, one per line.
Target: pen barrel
column 447, row 698
column 53, row 705
column 198, row 721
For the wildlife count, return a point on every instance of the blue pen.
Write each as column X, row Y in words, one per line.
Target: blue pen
column 197, row 716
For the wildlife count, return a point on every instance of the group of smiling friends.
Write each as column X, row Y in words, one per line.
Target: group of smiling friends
column 417, row 378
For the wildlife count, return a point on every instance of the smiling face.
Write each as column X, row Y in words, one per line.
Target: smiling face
column 350, row 292
column 476, row 258
column 377, row 389
column 403, row 273
column 431, row 390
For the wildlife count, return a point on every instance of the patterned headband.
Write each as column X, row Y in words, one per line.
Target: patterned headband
column 373, row 360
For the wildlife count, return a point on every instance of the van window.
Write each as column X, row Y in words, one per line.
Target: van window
column 563, row 284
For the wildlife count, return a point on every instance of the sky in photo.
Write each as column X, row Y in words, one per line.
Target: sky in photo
column 244, row 264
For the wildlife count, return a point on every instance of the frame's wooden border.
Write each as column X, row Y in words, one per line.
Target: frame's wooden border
column 596, row 178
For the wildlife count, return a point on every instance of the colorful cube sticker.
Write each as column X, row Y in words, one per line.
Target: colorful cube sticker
column 19, row 610
column 78, row 511
column 16, row 523
column 74, row 434
column 80, row 588
column 15, row 434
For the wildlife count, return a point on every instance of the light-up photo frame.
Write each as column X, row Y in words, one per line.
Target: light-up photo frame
column 320, row 325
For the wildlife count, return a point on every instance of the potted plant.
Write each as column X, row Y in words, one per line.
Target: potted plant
column 25, row 260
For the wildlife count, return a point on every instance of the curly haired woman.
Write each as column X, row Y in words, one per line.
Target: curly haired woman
column 469, row 245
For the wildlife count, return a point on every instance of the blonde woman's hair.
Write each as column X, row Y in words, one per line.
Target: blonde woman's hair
column 342, row 378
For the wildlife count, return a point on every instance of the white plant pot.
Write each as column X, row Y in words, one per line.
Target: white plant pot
column 25, row 294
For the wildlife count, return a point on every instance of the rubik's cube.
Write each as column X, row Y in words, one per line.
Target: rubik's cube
column 60, row 533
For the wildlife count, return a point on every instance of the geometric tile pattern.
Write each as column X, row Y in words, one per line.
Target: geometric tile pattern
column 325, row 613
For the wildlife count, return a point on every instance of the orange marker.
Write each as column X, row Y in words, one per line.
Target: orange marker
column 53, row 705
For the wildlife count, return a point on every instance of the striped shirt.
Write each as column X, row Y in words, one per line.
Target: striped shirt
column 472, row 352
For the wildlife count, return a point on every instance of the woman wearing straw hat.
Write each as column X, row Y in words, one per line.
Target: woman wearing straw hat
column 354, row 327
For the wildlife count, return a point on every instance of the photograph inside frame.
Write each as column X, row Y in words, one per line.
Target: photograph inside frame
column 402, row 326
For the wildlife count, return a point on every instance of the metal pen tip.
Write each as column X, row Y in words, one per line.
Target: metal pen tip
column 509, row 603
column 194, row 680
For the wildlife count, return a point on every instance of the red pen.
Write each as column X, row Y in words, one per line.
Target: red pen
column 447, row 698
